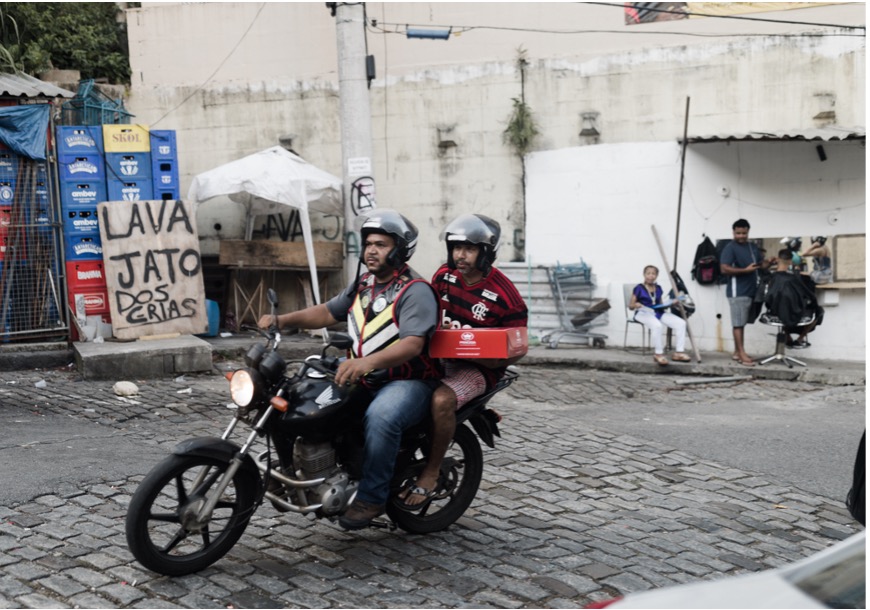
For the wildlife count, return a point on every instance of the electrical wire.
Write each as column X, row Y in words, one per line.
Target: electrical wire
column 221, row 65
column 459, row 29
column 737, row 17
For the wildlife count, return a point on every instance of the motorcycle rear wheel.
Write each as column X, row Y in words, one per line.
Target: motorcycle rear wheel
column 463, row 466
column 161, row 528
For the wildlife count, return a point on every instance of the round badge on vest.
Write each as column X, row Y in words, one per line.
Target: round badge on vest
column 379, row 305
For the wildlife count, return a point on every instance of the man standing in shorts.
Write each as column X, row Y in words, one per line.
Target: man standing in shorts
column 740, row 262
column 473, row 294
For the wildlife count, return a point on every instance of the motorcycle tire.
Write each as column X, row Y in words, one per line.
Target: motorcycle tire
column 464, row 467
column 161, row 531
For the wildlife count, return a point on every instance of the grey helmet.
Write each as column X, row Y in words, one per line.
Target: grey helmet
column 402, row 230
column 476, row 229
column 819, row 239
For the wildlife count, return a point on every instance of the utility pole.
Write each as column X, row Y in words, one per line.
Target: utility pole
column 355, row 70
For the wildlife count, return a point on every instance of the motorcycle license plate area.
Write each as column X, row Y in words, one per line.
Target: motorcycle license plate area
column 479, row 343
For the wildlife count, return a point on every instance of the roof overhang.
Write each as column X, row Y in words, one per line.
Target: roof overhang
column 832, row 132
column 24, row 85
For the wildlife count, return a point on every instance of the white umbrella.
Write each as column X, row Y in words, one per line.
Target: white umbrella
column 269, row 180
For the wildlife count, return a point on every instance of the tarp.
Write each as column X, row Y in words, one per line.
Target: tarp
column 24, row 129
column 268, row 181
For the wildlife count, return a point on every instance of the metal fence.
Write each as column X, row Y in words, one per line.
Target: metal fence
column 31, row 294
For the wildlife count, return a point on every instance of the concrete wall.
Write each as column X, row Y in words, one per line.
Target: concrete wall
column 232, row 78
column 600, row 203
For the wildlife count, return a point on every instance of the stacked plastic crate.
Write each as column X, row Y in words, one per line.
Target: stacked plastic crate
column 164, row 164
column 128, row 162
column 82, row 172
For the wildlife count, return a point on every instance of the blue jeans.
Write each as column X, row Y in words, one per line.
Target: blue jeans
column 396, row 407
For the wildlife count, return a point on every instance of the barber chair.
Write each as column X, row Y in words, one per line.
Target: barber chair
column 781, row 336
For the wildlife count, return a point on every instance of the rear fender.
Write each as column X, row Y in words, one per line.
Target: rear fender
column 215, row 448
column 485, row 423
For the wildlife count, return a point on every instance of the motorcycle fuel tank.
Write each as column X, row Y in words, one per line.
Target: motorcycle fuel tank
column 316, row 402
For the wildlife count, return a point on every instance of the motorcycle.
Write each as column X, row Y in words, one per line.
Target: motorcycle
column 192, row 508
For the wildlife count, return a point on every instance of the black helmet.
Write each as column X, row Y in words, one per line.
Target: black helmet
column 792, row 243
column 402, row 230
column 477, row 229
column 819, row 239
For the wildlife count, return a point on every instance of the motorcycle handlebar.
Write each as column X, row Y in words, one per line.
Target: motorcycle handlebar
column 267, row 334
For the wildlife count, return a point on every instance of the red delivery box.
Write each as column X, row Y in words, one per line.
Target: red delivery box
column 480, row 343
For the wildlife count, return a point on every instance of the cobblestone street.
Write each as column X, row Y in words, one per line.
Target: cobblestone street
column 568, row 512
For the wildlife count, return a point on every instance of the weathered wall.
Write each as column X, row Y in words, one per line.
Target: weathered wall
column 229, row 93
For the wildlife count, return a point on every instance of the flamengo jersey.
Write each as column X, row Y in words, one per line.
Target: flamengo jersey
column 493, row 302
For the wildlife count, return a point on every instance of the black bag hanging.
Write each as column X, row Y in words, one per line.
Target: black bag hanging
column 705, row 268
column 688, row 303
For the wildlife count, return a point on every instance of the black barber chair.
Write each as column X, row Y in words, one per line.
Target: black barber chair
column 781, row 336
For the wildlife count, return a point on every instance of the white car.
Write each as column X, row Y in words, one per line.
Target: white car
column 832, row 578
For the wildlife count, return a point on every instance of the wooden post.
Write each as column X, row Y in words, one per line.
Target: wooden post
column 677, row 293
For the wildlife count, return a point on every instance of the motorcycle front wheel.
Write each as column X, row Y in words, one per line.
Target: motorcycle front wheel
column 461, row 472
column 163, row 530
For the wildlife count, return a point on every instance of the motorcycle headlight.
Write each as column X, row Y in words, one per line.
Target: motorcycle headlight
column 245, row 386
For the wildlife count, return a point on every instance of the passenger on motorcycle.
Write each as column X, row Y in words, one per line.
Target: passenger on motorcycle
column 391, row 314
column 473, row 294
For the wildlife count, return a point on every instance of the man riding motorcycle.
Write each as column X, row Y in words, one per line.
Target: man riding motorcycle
column 391, row 313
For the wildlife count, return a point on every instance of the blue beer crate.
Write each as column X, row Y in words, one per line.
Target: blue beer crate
column 166, row 194
column 80, row 140
column 163, row 144
column 165, row 172
column 128, row 166
column 130, row 190
column 80, row 221
column 77, row 194
column 75, row 168
column 9, row 162
column 83, row 247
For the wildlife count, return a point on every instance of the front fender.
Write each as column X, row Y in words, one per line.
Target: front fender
column 215, row 448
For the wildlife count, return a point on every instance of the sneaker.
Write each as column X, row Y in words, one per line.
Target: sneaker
column 360, row 515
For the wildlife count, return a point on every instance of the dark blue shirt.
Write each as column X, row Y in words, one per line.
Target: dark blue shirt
column 741, row 256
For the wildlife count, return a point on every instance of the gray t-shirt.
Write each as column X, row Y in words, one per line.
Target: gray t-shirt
column 741, row 256
column 416, row 309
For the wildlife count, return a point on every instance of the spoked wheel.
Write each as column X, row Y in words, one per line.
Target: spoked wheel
column 164, row 531
column 461, row 472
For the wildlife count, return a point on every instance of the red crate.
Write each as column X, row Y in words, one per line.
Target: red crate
column 84, row 275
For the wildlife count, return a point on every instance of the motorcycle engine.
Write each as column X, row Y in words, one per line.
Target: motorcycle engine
column 317, row 460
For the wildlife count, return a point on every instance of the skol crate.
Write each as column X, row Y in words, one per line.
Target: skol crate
column 165, row 172
column 9, row 162
column 126, row 138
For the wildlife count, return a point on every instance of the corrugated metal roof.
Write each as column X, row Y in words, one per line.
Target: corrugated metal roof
column 832, row 132
column 24, row 85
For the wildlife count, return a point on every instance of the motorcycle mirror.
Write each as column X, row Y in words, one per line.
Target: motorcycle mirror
column 341, row 340
column 273, row 297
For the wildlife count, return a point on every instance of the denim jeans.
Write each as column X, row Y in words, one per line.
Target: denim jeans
column 396, row 407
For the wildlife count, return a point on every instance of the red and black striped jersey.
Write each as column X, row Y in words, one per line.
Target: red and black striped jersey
column 493, row 302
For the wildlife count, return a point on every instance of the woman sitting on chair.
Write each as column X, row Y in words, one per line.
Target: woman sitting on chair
column 649, row 310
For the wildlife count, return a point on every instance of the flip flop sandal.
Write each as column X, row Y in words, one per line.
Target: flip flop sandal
column 747, row 363
column 660, row 360
column 428, row 495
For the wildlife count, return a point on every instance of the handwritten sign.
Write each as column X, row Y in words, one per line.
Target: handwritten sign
column 153, row 268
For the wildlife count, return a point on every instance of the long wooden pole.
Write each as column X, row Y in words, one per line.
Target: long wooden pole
column 676, row 293
column 682, row 178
